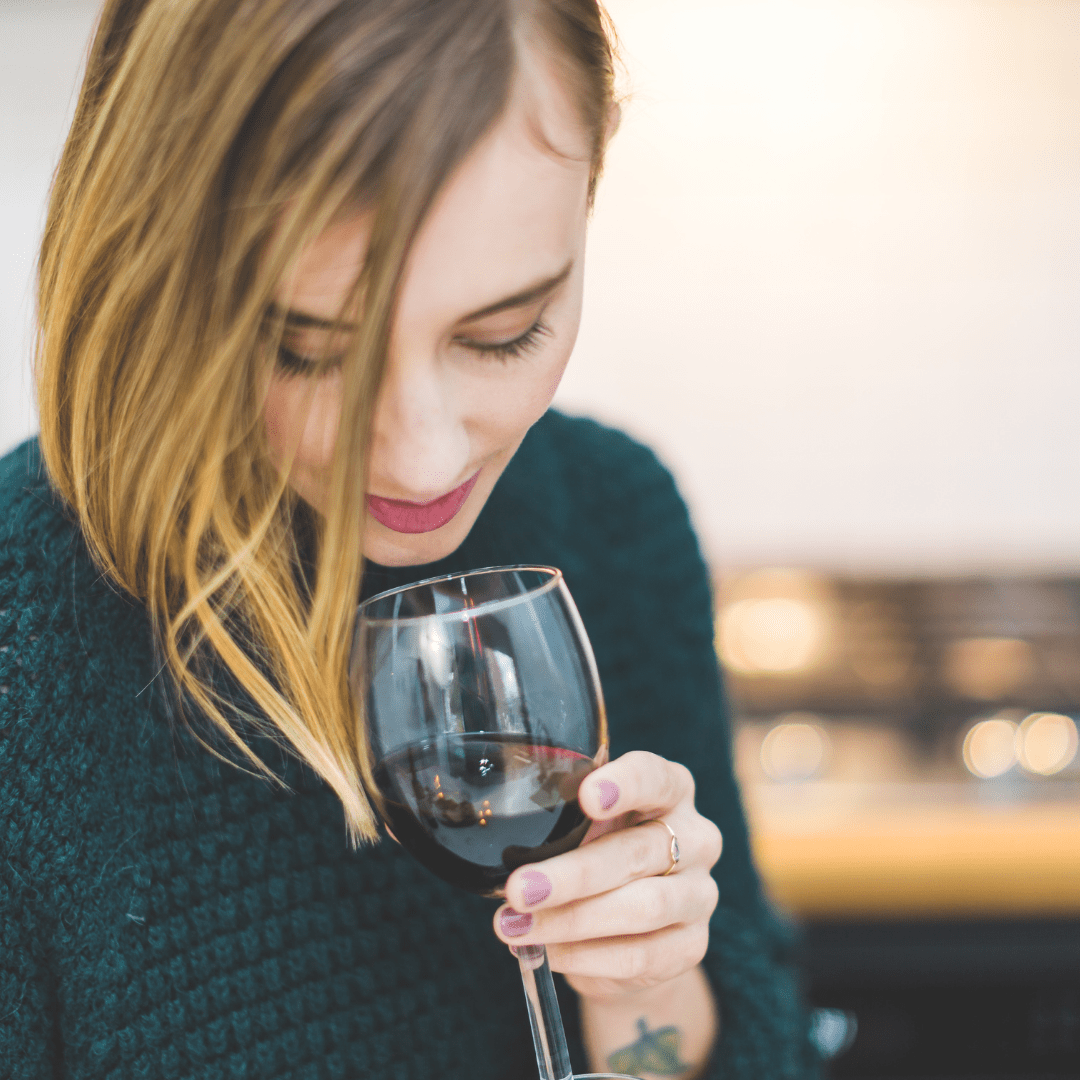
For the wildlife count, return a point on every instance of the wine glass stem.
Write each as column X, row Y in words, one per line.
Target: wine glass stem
column 552, row 1057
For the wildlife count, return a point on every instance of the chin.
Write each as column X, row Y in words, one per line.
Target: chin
column 389, row 548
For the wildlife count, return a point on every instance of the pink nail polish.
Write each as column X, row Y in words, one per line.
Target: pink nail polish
column 535, row 887
column 515, row 923
column 609, row 793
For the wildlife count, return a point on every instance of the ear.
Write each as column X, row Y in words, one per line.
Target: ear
column 614, row 119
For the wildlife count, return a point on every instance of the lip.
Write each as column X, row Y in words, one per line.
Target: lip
column 402, row 516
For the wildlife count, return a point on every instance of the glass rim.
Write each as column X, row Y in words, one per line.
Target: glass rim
column 463, row 615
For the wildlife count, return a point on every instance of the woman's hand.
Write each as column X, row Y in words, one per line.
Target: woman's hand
column 613, row 923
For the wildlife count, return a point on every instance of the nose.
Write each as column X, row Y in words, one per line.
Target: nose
column 420, row 444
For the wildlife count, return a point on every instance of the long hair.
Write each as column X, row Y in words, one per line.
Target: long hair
column 214, row 139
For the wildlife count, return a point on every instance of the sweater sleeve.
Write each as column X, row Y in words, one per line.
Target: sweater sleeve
column 26, row 1043
column 664, row 693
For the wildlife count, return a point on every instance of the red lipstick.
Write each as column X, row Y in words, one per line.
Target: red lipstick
column 413, row 517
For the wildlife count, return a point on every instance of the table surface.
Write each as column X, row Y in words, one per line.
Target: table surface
column 918, row 849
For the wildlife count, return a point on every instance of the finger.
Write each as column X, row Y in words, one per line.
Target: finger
column 614, row 860
column 646, row 959
column 638, row 781
column 640, row 907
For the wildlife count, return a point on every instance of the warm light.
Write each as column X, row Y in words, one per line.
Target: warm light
column 771, row 635
column 989, row 748
column 988, row 668
column 1046, row 743
column 794, row 749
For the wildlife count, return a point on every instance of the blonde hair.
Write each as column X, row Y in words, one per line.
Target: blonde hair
column 212, row 141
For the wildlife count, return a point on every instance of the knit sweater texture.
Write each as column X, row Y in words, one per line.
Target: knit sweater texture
column 166, row 915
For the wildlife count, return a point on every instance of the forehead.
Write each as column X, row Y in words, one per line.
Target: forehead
column 514, row 212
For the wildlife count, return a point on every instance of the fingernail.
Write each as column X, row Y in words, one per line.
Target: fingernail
column 515, row 923
column 609, row 793
column 535, row 887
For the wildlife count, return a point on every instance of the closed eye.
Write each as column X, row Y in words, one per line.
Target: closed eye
column 512, row 349
column 292, row 363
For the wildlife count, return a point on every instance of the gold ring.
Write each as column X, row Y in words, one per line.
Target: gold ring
column 673, row 849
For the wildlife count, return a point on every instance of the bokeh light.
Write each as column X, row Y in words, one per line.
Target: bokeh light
column 1046, row 743
column 796, row 749
column 990, row 747
column 771, row 635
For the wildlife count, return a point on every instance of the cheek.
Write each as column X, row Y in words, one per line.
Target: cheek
column 505, row 409
column 302, row 421
column 553, row 367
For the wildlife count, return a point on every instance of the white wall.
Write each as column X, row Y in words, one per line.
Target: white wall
column 835, row 268
column 836, row 276
column 42, row 43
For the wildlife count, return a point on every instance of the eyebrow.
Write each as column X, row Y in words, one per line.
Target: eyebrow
column 528, row 295
column 302, row 320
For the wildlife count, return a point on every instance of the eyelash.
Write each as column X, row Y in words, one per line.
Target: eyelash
column 515, row 349
column 291, row 363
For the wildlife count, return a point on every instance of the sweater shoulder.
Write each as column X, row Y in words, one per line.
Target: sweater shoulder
column 18, row 468
column 41, row 553
column 35, row 525
column 610, row 492
column 592, row 452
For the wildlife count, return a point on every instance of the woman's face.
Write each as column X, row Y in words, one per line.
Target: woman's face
column 487, row 317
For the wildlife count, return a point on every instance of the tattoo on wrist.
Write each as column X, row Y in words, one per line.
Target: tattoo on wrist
column 655, row 1052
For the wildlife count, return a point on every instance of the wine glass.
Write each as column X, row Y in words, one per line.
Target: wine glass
column 482, row 709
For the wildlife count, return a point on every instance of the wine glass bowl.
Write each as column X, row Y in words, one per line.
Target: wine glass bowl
column 483, row 713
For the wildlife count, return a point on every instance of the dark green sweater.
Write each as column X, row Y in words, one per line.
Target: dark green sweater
column 166, row 915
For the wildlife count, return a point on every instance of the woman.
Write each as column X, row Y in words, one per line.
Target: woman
column 311, row 274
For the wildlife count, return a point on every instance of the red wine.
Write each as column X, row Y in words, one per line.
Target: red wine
column 474, row 807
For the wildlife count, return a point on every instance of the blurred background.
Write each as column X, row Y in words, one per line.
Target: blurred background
column 835, row 280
